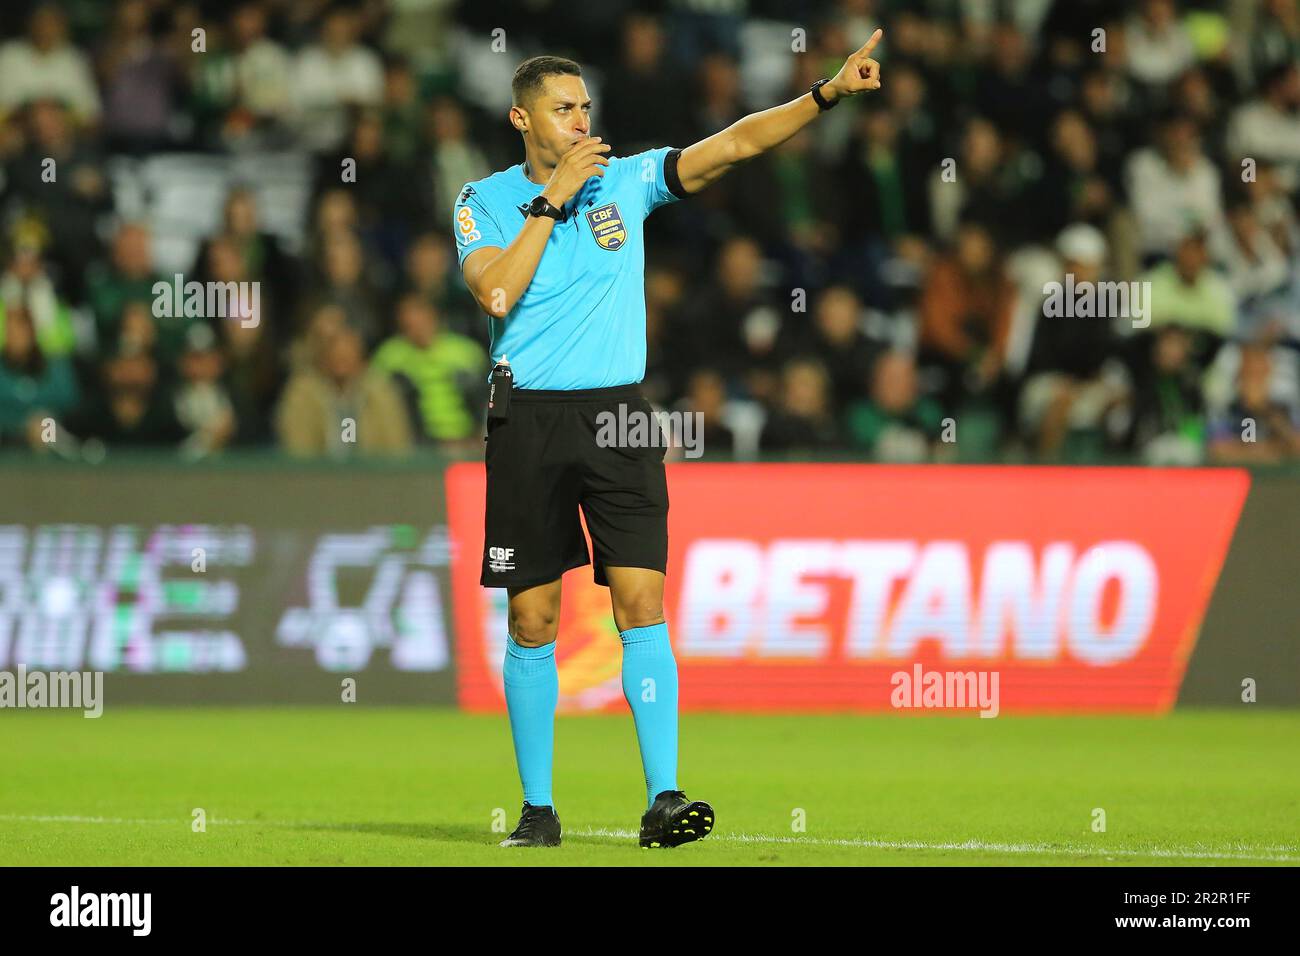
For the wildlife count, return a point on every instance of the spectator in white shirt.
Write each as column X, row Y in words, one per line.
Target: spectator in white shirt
column 1267, row 129
column 1256, row 267
column 263, row 68
column 1173, row 185
column 332, row 76
column 1159, row 47
column 1274, row 210
column 47, row 66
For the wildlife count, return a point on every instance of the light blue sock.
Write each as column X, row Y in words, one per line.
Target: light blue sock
column 650, row 687
column 532, row 691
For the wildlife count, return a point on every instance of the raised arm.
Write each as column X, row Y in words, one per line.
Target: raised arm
column 711, row 159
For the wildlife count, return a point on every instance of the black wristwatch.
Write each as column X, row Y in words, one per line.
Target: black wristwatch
column 541, row 206
column 822, row 103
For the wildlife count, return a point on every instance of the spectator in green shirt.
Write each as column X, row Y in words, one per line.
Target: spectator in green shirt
column 34, row 386
column 432, row 272
column 442, row 374
column 128, row 279
column 1187, row 291
column 896, row 423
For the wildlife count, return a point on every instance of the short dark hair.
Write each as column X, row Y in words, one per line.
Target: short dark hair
column 530, row 74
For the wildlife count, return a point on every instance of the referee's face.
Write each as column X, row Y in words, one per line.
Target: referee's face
column 558, row 117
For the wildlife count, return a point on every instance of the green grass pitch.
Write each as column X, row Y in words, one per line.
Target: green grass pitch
column 409, row 786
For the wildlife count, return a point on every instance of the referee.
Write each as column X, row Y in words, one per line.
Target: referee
column 553, row 250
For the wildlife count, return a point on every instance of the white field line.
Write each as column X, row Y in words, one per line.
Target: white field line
column 1271, row 854
column 1240, row 852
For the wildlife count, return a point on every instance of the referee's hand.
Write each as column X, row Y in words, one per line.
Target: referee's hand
column 859, row 74
column 579, row 163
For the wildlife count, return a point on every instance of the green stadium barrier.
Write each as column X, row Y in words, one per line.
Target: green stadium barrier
column 1252, row 627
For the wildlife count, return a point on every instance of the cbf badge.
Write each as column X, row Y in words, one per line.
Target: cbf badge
column 607, row 226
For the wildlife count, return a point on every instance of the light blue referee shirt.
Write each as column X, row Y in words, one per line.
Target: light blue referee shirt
column 581, row 321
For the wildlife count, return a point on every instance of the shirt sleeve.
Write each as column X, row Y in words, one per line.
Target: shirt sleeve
column 473, row 225
column 656, row 172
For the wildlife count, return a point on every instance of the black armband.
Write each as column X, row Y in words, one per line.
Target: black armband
column 671, row 178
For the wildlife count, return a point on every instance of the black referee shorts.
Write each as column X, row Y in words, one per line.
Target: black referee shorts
column 544, row 463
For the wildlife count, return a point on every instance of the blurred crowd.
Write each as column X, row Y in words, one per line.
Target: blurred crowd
column 877, row 286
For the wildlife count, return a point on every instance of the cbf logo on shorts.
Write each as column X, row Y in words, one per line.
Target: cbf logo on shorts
column 607, row 226
column 501, row 559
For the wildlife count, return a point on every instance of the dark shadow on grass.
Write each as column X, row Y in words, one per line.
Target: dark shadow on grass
column 449, row 832
column 439, row 832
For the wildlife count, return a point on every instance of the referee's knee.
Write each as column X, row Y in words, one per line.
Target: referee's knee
column 534, row 627
column 639, row 610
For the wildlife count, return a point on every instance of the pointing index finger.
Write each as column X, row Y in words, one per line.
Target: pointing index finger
column 871, row 42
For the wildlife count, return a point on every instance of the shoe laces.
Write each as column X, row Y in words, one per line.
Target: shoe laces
column 529, row 818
